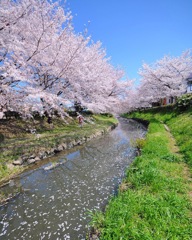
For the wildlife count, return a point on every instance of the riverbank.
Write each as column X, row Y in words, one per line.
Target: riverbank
column 20, row 148
column 154, row 200
column 56, row 194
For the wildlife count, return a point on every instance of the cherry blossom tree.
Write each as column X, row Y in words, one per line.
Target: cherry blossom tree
column 25, row 30
column 45, row 65
column 165, row 78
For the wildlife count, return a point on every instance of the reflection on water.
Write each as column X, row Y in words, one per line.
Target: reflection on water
column 55, row 201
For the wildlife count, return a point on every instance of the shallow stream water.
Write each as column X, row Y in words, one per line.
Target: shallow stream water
column 57, row 196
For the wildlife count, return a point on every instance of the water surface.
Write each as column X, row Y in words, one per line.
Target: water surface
column 58, row 194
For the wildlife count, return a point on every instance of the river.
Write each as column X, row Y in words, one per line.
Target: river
column 57, row 194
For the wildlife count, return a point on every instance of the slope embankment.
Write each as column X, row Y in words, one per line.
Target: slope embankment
column 27, row 142
column 154, row 200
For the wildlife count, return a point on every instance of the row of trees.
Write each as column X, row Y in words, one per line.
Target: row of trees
column 167, row 77
column 45, row 65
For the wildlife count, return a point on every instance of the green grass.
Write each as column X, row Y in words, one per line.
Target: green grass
column 180, row 124
column 156, row 202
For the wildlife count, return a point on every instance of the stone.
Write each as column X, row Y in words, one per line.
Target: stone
column 69, row 145
column 73, row 143
column 79, row 142
column 25, row 157
column 37, row 159
column 166, row 128
column 94, row 237
column 30, row 161
column 18, row 162
column 60, row 148
column 42, row 155
column 31, row 157
column 11, row 183
column 64, row 146
column 52, row 150
column 48, row 152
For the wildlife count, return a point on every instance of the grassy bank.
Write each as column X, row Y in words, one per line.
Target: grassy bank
column 153, row 201
column 16, row 141
column 180, row 124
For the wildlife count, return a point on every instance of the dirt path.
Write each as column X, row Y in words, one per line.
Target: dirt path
column 186, row 171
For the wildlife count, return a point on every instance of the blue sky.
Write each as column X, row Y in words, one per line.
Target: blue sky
column 136, row 31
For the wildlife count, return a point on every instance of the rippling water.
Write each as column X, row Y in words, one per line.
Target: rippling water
column 57, row 195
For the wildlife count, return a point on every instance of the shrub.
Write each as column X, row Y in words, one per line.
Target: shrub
column 1, row 137
column 107, row 114
column 184, row 102
column 139, row 143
